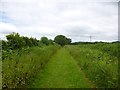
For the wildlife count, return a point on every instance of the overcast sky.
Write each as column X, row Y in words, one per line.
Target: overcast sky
column 76, row 19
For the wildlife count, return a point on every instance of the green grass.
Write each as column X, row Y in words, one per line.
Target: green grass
column 80, row 66
column 100, row 66
column 19, row 67
column 109, row 48
column 62, row 71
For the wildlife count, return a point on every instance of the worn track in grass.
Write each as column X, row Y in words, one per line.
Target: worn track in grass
column 61, row 71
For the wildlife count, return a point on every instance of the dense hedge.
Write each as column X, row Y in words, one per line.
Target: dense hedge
column 15, row 41
column 23, row 65
column 23, row 58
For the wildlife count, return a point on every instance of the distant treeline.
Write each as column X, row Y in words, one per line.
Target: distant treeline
column 78, row 43
column 15, row 41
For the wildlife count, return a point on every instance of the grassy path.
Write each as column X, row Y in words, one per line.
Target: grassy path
column 61, row 72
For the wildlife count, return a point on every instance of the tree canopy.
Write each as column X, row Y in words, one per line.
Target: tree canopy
column 62, row 40
column 15, row 41
column 46, row 41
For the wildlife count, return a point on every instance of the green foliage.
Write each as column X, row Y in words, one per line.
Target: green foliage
column 51, row 42
column 62, row 40
column 15, row 41
column 4, row 45
column 110, row 48
column 98, row 62
column 21, row 66
column 34, row 41
column 69, row 40
column 28, row 42
column 61, row 72
column 45, row 40
column 22, row 58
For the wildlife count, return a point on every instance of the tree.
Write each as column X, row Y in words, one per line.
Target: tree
column 62, row 40
column 69, row 41
column 27, row 41
column 51, row 42
column 34, row 41
column 15, row 41
column 45, row 40
column 4, row 45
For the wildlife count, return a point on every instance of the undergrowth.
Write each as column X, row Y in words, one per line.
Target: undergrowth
column 100, row 63
column 20, row 66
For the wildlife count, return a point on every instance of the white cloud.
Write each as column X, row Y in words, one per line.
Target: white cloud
column 74, row 18
column 6, row 28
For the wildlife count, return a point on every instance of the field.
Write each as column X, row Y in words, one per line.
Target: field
column 53, row 66
column 99, row 62
column 20, row 66
column 59, row 44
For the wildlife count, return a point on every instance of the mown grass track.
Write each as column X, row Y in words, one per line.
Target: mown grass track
column 61, row 71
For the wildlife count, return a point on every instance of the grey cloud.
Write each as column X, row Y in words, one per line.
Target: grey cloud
column 73, row 18
column 6, row 32
column 79, row 31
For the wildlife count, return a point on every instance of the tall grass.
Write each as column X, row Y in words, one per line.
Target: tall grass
column 109, row 48
column 19, row 67
column 99, row 65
